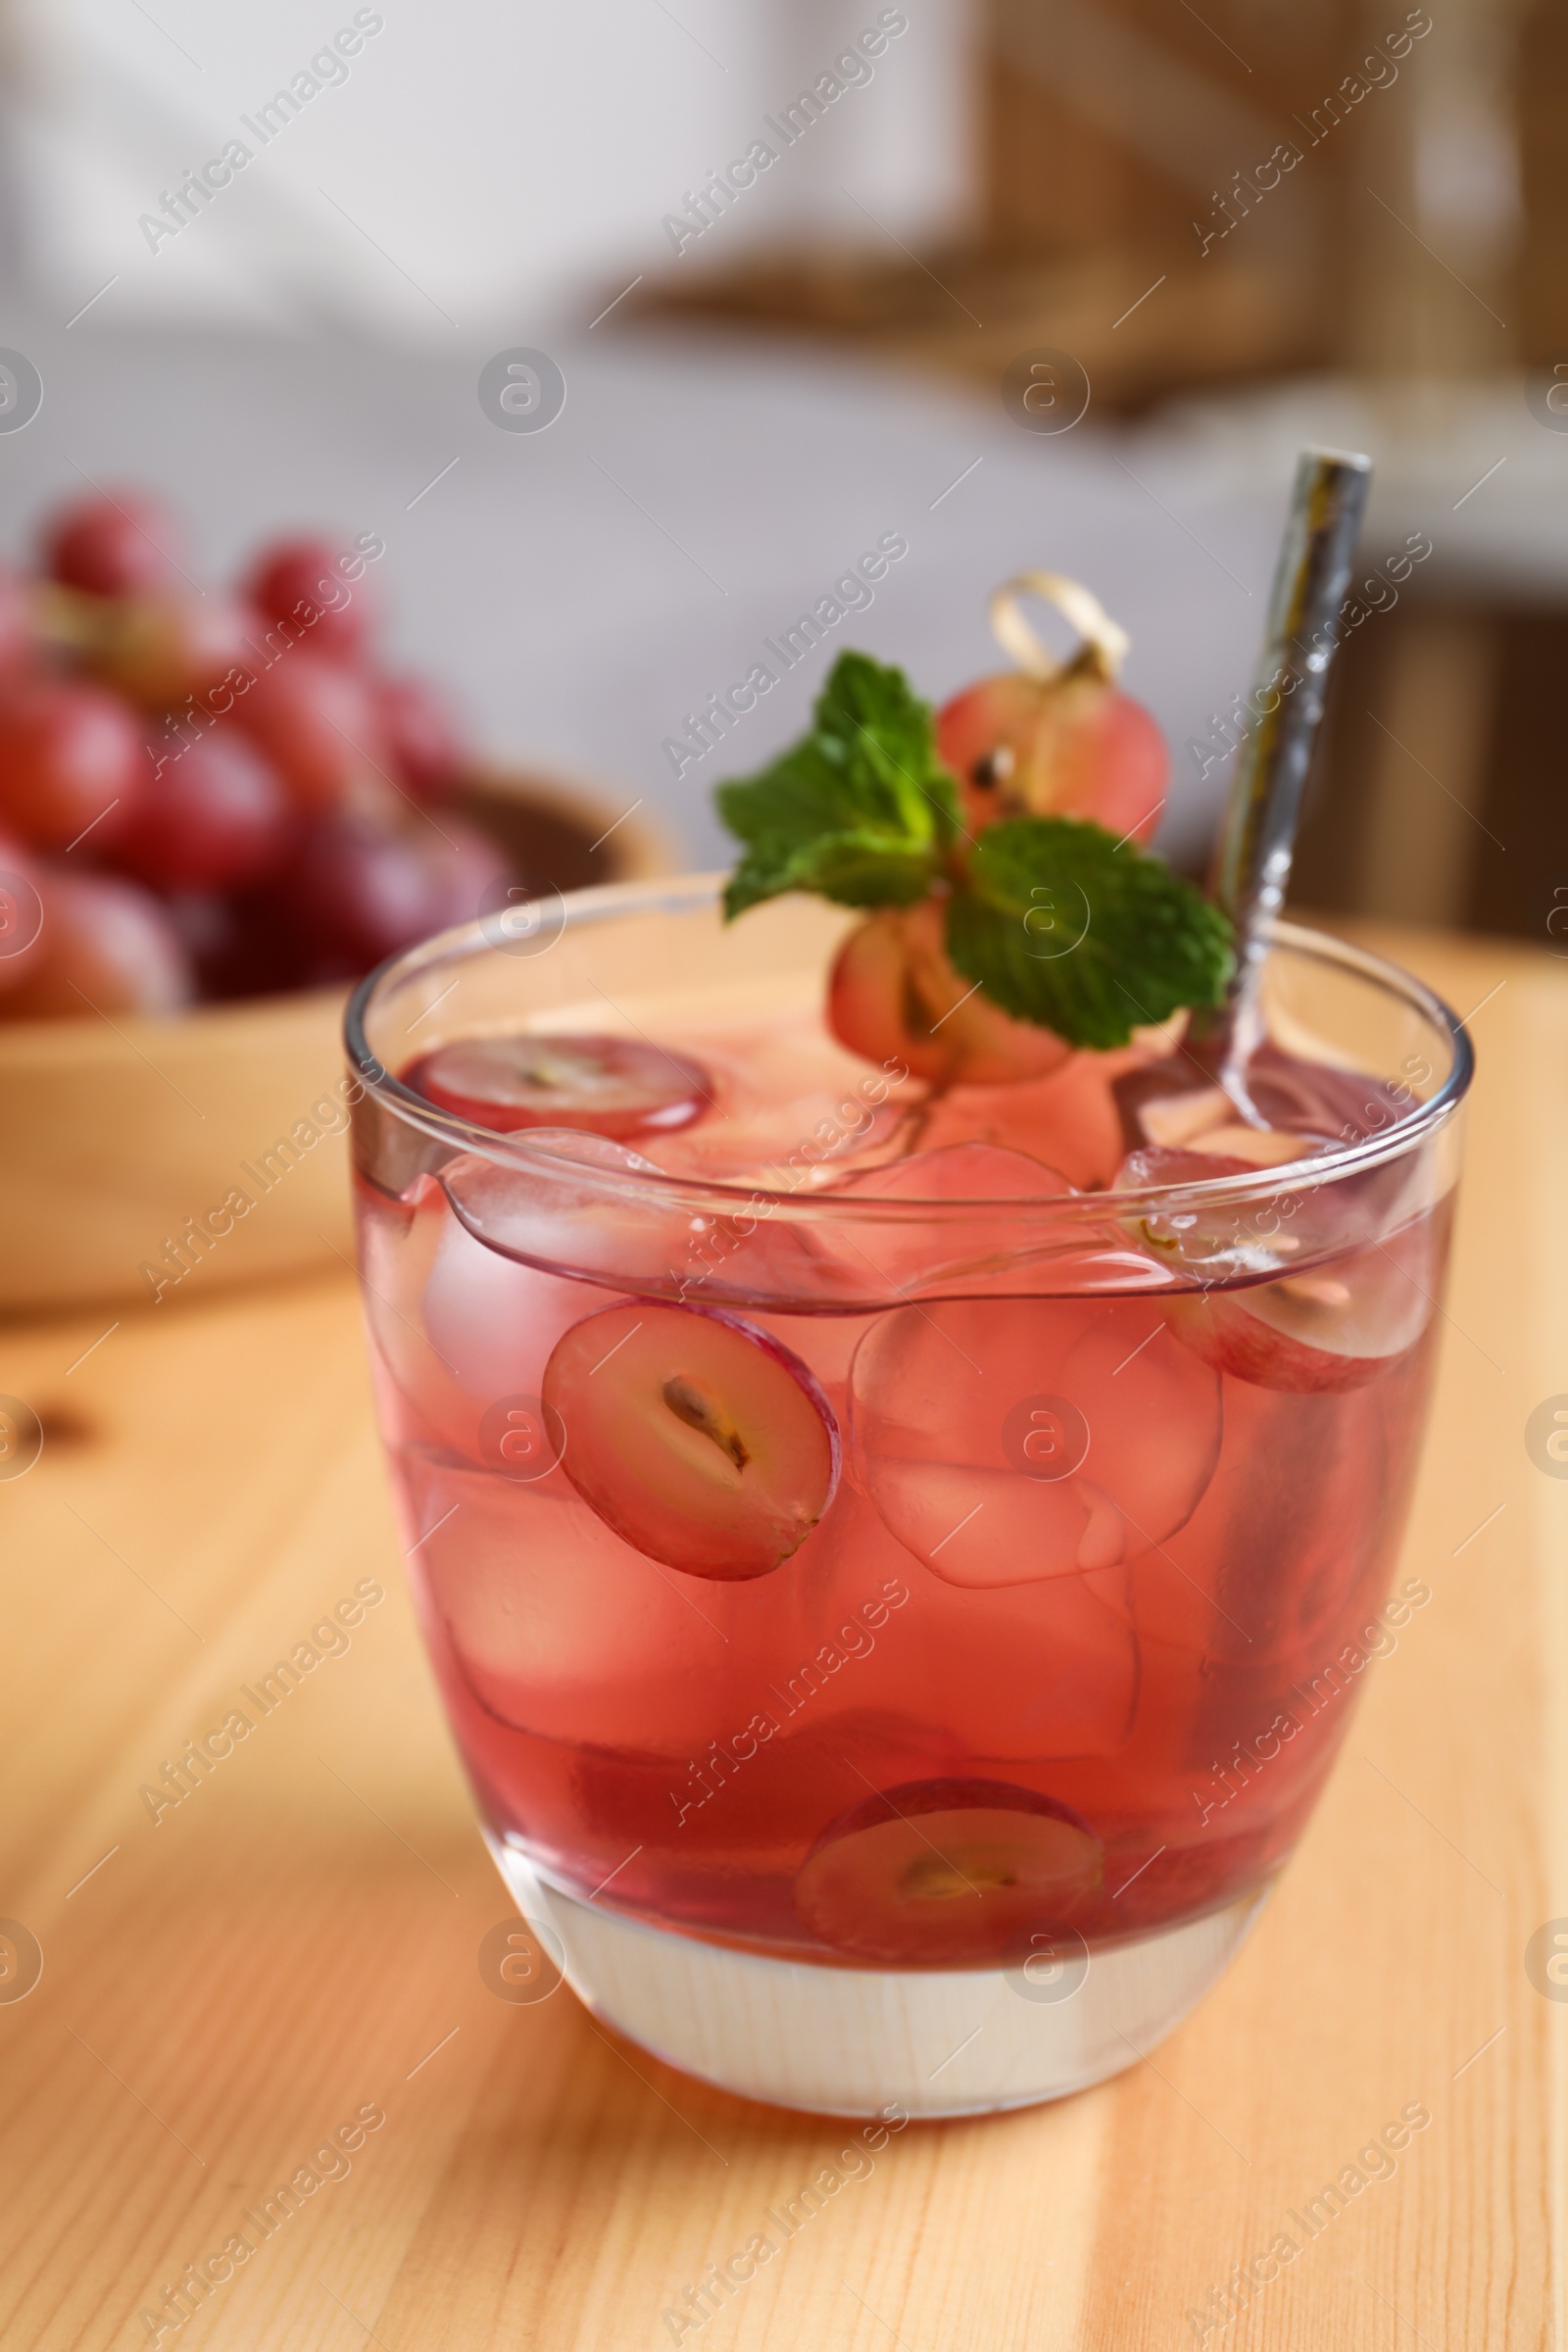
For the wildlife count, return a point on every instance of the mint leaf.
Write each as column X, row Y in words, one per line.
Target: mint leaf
column 1061, row 926
column 860, row 809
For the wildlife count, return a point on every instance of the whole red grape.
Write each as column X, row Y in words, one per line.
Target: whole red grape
column 422, row 738
column 239, row 942
column 158, row 650
column 318, row 724
column 106, row 946
column 213, row 818
column 301, row 582
column 119, row 544
column 69, row 754
column 359, row 891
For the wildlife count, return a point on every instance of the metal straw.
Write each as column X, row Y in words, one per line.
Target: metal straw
column 1253, row 857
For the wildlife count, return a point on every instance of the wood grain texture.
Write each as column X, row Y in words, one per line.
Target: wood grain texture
column 298, row 1938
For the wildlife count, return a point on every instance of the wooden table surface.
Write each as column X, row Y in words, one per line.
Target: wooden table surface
column 296, row 1944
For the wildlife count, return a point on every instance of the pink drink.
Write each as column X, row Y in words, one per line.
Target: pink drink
column 875, row 1538
column 1107, row 1483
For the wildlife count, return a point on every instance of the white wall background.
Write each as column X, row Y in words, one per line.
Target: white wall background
column 484, row 165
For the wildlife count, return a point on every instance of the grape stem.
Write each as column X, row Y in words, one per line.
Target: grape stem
column 1106, row 644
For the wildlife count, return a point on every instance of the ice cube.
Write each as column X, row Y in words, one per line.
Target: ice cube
column 1023, row 1673
column 1170, row 1121
column 886, row 1257
column 969, row 1171
column 793, row 1107
column 459, row 1328
column 1010, row 1440
column 1068, row 1120
column 555, row 1625
column 1338, row 1324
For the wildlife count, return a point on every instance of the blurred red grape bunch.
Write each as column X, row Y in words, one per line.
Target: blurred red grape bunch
column 211, row 793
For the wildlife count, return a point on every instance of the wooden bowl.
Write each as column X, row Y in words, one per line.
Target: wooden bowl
column 149, row 1160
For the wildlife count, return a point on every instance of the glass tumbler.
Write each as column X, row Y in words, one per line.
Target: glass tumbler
column 976, row 1793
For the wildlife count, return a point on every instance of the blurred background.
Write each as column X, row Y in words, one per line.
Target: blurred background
column 1228, row 229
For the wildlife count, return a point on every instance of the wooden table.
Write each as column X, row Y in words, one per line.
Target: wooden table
column 295, row 1943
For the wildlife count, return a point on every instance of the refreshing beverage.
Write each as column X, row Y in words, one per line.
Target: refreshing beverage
column 892, row 1554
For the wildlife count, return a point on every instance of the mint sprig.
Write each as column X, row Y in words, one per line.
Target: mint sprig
column 860, row 809
column 1055, row 922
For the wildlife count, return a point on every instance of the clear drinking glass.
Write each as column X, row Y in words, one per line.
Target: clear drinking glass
column 981, row 1788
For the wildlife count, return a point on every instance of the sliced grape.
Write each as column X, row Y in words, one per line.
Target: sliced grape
column 697, row 1436
column 1007, row 1440
column 1336, row 1325
column 894, row 996
column 611, row 1086
column 948, row 1874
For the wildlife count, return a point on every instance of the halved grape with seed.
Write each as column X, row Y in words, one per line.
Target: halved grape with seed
column 696, row 1436
column 948, row 1874
column 614, row 1086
